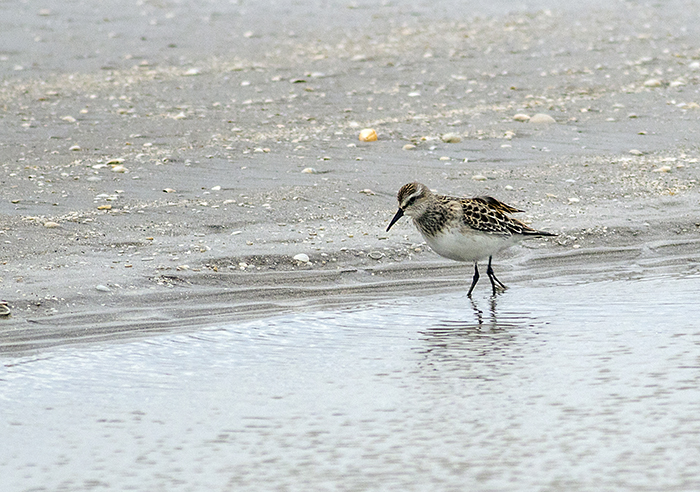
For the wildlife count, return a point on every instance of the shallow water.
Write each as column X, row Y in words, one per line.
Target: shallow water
column 562, row 387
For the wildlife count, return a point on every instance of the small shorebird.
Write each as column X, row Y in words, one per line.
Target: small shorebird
column 463, row 229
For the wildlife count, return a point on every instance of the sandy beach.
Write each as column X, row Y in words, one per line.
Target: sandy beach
column 161, row 164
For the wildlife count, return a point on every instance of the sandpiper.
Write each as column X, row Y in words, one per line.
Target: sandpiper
column 463, row 229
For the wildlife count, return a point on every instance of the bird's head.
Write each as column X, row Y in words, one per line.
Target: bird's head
column 413, row 201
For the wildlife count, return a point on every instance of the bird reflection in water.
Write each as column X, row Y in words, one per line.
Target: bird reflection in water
column 486, row 334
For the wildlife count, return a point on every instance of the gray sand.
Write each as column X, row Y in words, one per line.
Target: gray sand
column 213, row 110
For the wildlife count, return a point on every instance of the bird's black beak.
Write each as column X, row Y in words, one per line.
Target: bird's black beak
column 398, row 215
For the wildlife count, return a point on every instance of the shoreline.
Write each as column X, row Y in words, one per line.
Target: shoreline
column 179, row 174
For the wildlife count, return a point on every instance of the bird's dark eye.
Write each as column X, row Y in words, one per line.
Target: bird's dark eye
column 411, row 201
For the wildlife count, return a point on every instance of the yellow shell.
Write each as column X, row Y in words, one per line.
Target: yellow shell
column 368, row 135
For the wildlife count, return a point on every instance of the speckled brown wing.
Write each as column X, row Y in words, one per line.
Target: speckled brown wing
column 488, row 215
column 497, row 204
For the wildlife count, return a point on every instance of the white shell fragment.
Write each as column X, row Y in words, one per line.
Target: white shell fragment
column 636, row 152
column 301, row 257
column 119, row 169
column 542, row 119
column 451, row 138
column 309, row 170
column 368, row 135
column 51, row 225
column 521, row 117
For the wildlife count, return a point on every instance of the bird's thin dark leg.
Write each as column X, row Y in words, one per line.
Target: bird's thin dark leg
column 474, row 280
column 494, row 280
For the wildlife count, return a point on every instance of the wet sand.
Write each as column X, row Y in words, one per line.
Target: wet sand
column 214, row 111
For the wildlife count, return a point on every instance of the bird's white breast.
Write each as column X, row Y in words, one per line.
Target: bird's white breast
column 468, row 245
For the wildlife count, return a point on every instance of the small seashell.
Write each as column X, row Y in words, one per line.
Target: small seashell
column 309, row 170
column 636, row 152
column 69, row 119
column 662, row 169
column 104, row 207
column 376, row 255
column 409, row 147
column 653, row 83
column 119, row 169
column 368, row 135
column 367, row 191
column 112, row 162
column 216, row 188
column 451, row 138
column 479, row 177
column 168, row 190
column 301, row 257
column 521, row 117
column 75, row 148
column 51, row 225
column 542, row 119
column 180, row 116
column 193, row 71
column 103, row 288
column 574, row 200
column 444, row 158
